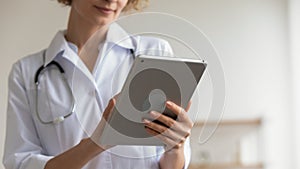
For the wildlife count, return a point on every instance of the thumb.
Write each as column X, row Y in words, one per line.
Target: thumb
column 109, row 108
column 188, row 106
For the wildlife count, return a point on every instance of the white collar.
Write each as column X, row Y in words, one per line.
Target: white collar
column 57, row 45
column 116, row 35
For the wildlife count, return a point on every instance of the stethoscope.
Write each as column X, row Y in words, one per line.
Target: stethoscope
column 41, row 70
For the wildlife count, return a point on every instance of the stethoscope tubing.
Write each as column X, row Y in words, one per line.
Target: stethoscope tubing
column 41, row 70
column 38, row 74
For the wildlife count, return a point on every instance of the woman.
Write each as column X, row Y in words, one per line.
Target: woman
column 33, row 143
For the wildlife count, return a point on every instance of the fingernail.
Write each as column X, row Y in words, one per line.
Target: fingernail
column 169, row 103
column 146, row 121
column 153, row 113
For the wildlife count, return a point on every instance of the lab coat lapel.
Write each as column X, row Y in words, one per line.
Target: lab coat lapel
column 86, row 95
column 81, row 81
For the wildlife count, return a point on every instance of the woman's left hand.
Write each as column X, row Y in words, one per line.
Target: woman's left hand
column 174, row 132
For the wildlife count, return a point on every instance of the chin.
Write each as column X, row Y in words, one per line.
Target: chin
column 104, row 21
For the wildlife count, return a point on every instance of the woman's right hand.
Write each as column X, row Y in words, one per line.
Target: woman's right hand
column 77, row 156
column 99, row 130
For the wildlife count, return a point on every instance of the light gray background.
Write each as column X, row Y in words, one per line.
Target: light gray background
column 256, row 40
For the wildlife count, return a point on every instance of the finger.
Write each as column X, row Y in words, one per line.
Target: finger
column 109, row 108
column 174, row 135
column 167, row 141
column 182, row 129
column 169, row 122
column 175, row 109
column 154, row 126
column 180, row 112
column 151, row 131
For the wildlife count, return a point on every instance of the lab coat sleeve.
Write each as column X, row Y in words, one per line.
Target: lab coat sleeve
column 23, row 149
column 167, row 51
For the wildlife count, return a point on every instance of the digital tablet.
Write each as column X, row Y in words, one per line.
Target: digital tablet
column 152, row 81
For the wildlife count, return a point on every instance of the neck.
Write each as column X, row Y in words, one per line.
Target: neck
column 81, row 31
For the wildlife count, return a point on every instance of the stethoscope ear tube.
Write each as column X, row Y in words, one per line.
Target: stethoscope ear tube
column 37, row 74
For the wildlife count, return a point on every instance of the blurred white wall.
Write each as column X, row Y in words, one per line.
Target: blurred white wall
column 252, row 39
column 250, row 35
column 294, row 35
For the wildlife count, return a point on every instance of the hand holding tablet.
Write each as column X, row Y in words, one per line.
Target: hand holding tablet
column 151, row 82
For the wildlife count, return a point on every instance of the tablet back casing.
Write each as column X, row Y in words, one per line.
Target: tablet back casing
column 151, row 81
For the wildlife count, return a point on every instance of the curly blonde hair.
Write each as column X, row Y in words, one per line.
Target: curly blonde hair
column 131, row 4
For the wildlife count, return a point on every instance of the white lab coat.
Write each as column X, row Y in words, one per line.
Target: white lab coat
column 30, row 144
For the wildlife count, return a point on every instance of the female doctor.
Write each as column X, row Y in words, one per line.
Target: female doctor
column 38, row 136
